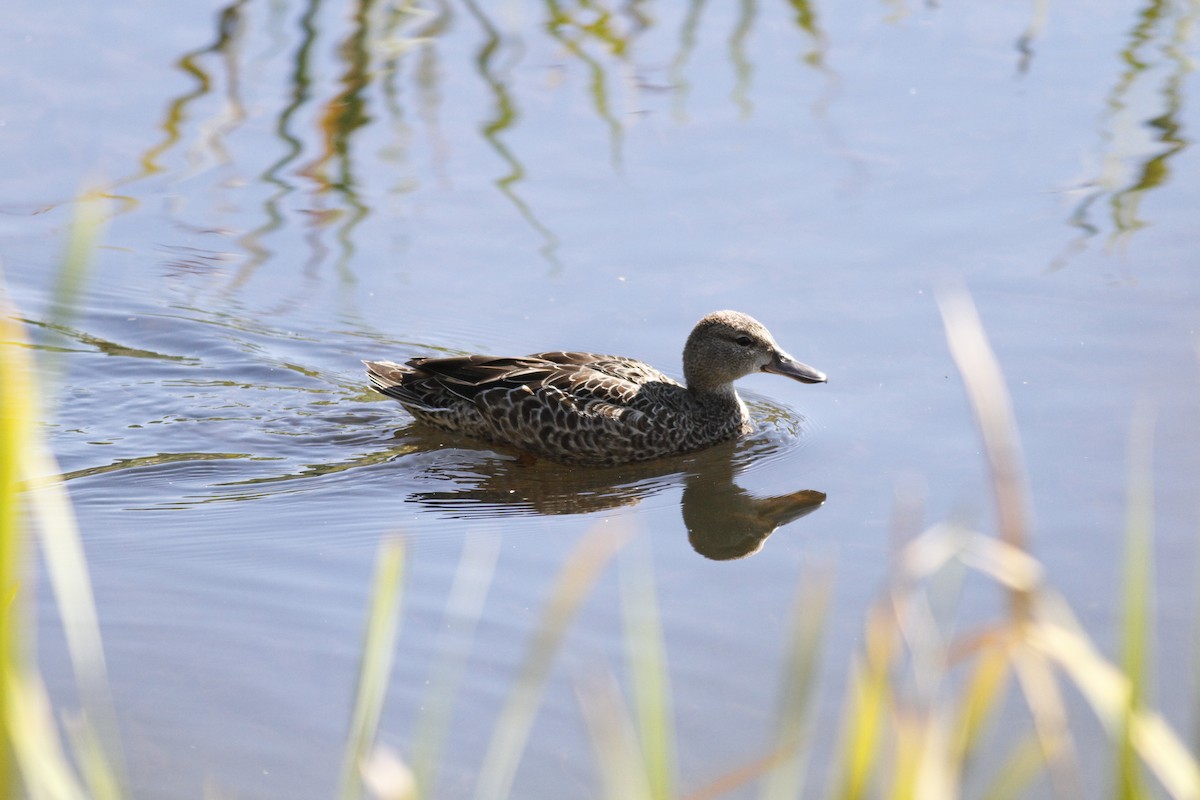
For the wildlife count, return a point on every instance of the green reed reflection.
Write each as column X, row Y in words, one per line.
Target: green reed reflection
column 229, row 30
column 367, row 68
column 301, row 91
column 505, row 117
column 1140, row 136
column 743, row 69
column 388, row 62
column 574, row 33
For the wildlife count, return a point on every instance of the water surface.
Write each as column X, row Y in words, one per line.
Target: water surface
column 293, row 187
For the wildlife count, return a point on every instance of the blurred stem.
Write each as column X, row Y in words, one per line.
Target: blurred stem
column 15, row 424
column 1138, row 601
column 383, row 622
column 572, row 587
column 992, row 408
column 83, row 236
column 651, row 678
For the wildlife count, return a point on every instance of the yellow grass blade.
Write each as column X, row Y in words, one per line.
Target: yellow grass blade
column 16, row 425
column 983, row 691
column 868, row 708
column 809, row 612
column 379, row 644
column 651, row 678
column 1138, row 600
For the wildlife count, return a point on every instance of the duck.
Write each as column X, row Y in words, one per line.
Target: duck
column 591, row 409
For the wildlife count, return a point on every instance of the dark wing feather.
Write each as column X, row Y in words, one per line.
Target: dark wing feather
column 624, row 369
column 467, row 376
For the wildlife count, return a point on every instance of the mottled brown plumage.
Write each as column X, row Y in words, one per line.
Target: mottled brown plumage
column 585, row 408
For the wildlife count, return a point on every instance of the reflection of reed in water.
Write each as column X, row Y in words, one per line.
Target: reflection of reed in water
column 1140, row 141
column 376, row 44
column 724, row 521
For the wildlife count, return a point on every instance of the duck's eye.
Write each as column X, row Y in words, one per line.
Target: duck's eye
column 744, row 341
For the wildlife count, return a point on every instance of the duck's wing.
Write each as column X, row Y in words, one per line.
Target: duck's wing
column 437, row 383
column 626, row 370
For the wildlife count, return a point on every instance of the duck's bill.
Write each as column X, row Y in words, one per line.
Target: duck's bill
column 785, row 365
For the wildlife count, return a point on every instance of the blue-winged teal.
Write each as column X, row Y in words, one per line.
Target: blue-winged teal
column 584, row 408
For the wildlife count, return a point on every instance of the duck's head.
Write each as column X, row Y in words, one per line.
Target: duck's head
column 727, row 345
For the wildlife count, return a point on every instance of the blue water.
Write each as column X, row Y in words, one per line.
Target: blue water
column 292, row 188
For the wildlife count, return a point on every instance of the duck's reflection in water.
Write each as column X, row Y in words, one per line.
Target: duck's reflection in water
column 724, row 521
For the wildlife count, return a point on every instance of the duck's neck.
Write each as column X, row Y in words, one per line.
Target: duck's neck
column 720, row 400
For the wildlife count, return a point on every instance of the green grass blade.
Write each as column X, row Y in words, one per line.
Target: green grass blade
column 574, row 583
column 786, row 780
column 648, row 668
column 463, row 610
column 16, row 424
column 1138, row 601
column 868, row 708
column 383, row 623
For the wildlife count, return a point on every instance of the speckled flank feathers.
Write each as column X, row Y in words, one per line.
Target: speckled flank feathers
column 585, row 408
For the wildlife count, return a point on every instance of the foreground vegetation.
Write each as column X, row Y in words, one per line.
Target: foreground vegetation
column 918, row 700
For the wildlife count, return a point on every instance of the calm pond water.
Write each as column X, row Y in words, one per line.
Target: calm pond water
column 292, row 187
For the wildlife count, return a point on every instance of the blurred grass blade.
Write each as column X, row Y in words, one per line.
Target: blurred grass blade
column 621, row 764
column 809, row 613
column 573, row 585
column 868, row 708
column 863, row 719
column 25, row 455
column 1018, row 770
column 45, row 770
column 648, row 668
column 71, row 583
column 386, row 777
column 16, row 425
column 983, row 690
column 1138, row 600
column 383, row 622
column 1044, row 699
column 1107, row 691
column 94, row 762
column 993, row 412
column 463, row 609
column 83, row 236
